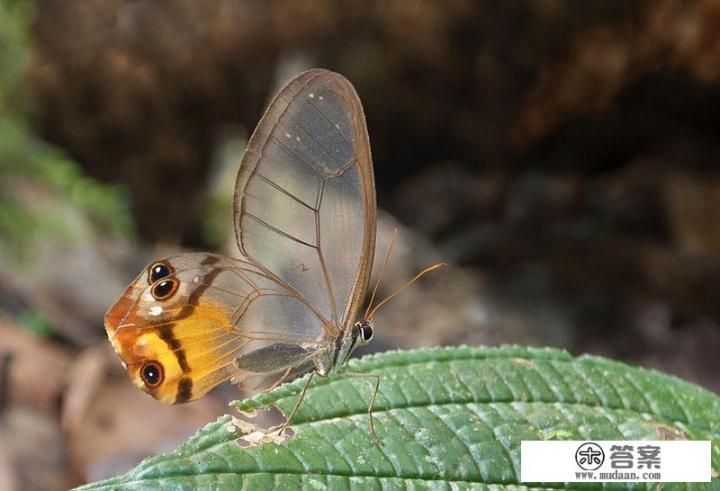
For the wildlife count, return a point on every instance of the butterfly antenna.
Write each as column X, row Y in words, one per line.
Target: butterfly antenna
column 407, row 284
column 393, row 238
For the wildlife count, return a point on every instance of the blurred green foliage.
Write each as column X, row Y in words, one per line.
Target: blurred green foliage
column 31, row 170
column 35, row 323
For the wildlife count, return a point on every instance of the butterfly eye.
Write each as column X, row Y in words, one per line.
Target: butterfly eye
column 367, row 333
column 158, row 271
column 164, row 289
column 152, row 373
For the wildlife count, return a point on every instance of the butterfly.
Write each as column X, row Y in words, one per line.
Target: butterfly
column 304, row 213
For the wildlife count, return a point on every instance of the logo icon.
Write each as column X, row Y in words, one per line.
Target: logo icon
column 589, row 456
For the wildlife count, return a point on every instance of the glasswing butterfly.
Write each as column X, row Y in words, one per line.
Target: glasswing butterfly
column 305, row 219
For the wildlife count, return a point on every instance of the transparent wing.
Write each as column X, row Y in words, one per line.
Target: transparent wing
column 304, row 205
column 226, row 318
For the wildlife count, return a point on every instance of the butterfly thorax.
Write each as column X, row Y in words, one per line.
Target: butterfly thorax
column 343, row 345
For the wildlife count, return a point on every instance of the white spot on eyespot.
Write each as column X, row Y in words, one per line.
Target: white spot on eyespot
column 196, row 279
column 288, row 135
column 311, row 95
column 156, row 310
column 321, row 98
column 297, row 138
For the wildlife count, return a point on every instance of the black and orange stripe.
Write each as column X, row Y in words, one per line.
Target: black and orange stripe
column 166, row 331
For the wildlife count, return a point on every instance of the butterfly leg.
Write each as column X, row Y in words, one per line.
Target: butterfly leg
column 297, row 404
column 281, row 379
column 376, row 386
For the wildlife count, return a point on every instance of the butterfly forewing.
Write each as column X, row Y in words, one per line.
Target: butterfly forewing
column 305, row 197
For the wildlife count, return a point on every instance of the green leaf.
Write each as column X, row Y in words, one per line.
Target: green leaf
column 449, row 418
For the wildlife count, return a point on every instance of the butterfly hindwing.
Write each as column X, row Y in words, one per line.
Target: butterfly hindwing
column 221, row 310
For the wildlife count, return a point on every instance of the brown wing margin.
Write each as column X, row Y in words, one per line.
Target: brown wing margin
column 254, row 155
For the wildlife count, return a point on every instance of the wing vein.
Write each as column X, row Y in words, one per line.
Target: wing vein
column 283, row 190
column 243, row 275
column 335, row 128
column 280, row 144
column 321, row 258
column 319, row 144
column 278, row 231
column 342, row 169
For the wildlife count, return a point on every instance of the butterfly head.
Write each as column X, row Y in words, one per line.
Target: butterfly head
column 363, row 332
column 151, row 326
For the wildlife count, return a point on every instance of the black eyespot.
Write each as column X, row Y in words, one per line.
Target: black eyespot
column 152, row 373
column 165, row 289
column 366, row 332
column 157, row 271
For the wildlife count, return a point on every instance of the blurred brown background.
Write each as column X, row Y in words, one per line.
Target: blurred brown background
column 562, row 156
